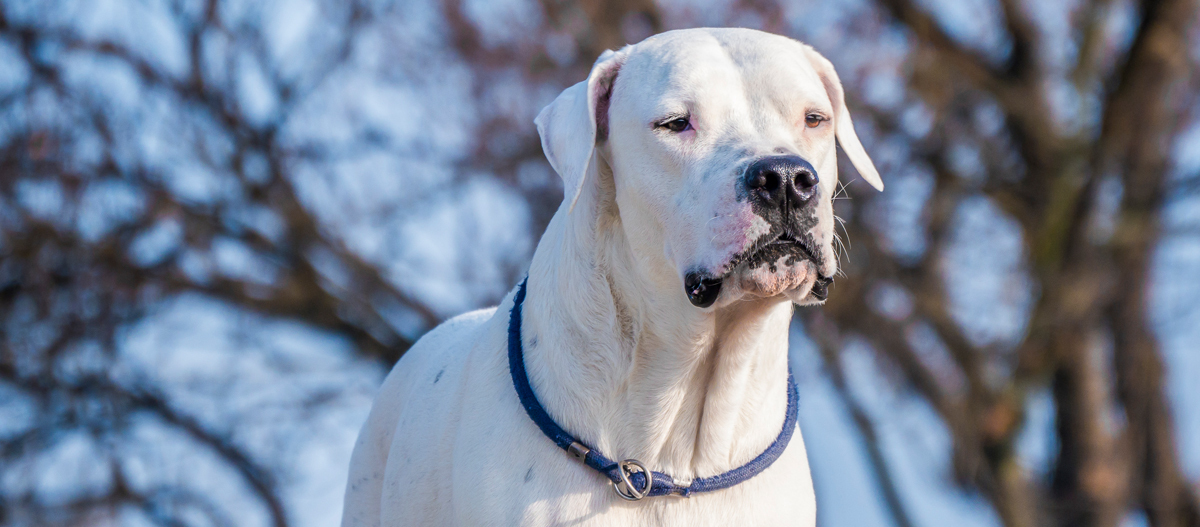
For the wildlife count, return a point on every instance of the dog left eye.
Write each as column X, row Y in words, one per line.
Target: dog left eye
column 678, row 124
column 814, row 120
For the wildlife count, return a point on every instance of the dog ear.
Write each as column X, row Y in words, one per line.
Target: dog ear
column 844, row 127
column 571, row 126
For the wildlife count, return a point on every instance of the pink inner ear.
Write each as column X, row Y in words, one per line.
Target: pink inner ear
column 604, row 86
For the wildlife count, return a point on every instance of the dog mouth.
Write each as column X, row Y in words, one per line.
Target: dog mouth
column 783, row 245
column 702, row 289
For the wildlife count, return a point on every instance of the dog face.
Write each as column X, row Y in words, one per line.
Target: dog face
column 723, row 157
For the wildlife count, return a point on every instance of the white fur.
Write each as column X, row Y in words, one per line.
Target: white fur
column 614, row 350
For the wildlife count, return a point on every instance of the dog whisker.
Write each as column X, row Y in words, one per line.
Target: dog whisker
column 842, row 223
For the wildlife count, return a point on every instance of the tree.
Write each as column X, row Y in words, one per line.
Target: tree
column 204, row 148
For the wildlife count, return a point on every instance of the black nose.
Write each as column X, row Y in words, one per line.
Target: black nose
column 780, row 180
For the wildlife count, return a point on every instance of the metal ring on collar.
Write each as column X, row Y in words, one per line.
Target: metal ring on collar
column 625, row 469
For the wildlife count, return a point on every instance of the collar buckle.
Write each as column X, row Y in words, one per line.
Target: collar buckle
column 625, row 489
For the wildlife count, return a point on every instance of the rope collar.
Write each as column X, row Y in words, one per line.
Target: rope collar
column 630, row 479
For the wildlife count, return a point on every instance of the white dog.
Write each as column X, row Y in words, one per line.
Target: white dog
column 699, row 167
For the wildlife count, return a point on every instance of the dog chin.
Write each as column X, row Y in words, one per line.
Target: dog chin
column 787, row 275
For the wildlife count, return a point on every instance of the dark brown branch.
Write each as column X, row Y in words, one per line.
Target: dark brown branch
column 829, row 346
column 1152, row 101
column 1023, row 61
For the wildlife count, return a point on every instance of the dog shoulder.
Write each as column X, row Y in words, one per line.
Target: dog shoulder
column 428, row 361
column 437, row 358
column 438, row 352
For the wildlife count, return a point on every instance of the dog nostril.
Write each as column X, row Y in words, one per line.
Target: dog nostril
column 758, row 180
column 768, row 180
column 774, row 181
column 805, row 179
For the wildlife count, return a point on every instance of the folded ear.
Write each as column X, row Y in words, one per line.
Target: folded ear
column 571, row 126
column 843, row 126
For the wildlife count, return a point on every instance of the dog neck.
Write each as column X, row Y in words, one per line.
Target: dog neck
column 624, row 362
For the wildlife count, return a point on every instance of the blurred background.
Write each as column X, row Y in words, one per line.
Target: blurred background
column 222, row 221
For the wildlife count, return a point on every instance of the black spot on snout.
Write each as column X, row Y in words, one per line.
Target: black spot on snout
column 438, row 377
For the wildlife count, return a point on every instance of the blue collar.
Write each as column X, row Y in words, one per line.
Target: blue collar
column 632, row 480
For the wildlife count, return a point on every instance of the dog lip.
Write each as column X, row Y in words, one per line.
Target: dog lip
column 786, row 239
column 781, row 238
column 820, row 288
column 702, row 290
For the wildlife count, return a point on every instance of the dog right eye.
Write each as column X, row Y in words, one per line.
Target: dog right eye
column 678, row 124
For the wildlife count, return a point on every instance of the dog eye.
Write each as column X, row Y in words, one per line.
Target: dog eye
column 678, row 124
column 814, row 120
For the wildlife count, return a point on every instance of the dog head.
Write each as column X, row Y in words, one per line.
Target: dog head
column 721, row 144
